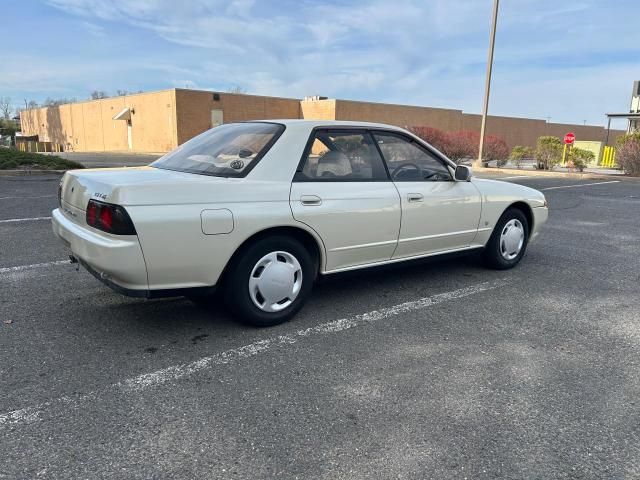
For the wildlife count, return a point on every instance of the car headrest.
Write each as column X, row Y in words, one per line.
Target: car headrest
column 335, row 163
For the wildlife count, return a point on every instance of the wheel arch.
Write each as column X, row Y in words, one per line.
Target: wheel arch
column 308, row 239
column 525, row 208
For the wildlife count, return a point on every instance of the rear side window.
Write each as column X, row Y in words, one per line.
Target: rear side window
column 229, row 150
column 339, row 155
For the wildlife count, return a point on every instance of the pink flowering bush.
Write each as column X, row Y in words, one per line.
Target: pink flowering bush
column 628, row 154
column 464, row 144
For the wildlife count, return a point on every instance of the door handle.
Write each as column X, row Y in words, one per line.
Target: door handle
column 310, row 200
column 415, row 197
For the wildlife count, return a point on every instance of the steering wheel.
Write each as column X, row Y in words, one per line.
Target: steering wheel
column 435, row 175
column 399, row 168
column 244, row 153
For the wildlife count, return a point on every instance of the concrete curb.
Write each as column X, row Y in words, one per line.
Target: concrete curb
column 26, row 173
column 544, row 173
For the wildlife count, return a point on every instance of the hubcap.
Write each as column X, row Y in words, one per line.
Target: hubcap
column 275, row 281
column 511, row 239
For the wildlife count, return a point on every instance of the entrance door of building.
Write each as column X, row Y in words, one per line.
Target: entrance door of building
column 216, row 118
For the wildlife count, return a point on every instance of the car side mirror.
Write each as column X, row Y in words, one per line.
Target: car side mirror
column 463, row 173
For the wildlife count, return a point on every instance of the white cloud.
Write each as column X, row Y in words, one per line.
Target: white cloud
column 405, row 51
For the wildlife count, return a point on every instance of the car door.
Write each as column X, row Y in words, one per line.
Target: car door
column 438, row 212
column 342, row 190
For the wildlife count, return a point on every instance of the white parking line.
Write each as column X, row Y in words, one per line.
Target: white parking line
column 28, row 197
column 516, row 177
column 20, row 268
column 580, row 185
column 31, row 219
column 148, row 380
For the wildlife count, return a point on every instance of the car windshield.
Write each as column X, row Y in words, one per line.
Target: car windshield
column 225, row 151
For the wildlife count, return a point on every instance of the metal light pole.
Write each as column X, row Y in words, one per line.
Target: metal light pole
column 487, row 87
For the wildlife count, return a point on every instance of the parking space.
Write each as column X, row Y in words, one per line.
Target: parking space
column 438, row 369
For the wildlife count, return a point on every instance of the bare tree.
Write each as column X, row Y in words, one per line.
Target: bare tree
column 237, row 89
column 122, row 93
column 54, row 102
column 98, row 94
column 5, row 107
column 30, row 105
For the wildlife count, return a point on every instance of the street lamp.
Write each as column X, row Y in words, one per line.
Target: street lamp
column 487, row 87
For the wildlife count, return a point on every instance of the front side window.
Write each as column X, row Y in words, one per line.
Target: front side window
column 338, row 155
column 226, row 151
column 409, row 162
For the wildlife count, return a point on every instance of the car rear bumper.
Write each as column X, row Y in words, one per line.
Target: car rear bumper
column 116, row 261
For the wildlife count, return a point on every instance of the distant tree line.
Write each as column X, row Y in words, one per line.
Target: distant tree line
column 7, row 107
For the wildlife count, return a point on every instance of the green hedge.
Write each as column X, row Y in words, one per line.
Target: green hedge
column 11, row 159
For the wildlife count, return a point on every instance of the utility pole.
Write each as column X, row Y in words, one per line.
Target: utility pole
column 487, row 87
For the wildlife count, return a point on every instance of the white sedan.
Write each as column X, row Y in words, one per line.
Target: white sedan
column 260, row 209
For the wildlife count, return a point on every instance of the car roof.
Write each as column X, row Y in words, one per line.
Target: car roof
column 328, row 123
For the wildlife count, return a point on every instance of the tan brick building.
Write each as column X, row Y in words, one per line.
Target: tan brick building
column 160, row 121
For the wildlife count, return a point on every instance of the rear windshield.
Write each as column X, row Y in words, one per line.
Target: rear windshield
column 226, row 151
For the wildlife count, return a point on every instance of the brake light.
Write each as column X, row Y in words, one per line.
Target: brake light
column 109, row 218
column 92, row 213
column 106, row 218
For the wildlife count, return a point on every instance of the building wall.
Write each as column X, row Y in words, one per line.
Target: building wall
column 167, row 118
column 318, row 109
column 515, row 131
column 193, row 109
column 595, row 147
column 400, row 115
column 89, row 126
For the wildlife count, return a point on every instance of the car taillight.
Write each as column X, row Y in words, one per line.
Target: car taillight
column 109, row 218
column 106, row 218
column 92, row 213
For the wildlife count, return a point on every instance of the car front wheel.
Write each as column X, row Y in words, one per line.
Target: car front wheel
column 508, row 242
column 269, row 281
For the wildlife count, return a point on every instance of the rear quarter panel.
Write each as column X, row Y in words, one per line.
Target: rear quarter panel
column 177, row 252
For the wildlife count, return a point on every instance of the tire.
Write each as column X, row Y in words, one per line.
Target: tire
column 508, row 242
column 270, row 268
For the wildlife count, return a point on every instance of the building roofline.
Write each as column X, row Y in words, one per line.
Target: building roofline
column 99, row 99
column 234, row 94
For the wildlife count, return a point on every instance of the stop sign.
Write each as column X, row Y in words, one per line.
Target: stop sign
column 569, row 138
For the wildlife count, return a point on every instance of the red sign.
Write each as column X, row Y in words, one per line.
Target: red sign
column 569, row 138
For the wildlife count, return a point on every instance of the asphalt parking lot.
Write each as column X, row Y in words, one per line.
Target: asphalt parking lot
column 434, row 370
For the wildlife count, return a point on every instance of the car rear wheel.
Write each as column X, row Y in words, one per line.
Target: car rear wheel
column 269, row 281
column 508, row 242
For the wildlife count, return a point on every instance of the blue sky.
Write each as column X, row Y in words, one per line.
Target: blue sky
column 570, row 60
